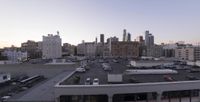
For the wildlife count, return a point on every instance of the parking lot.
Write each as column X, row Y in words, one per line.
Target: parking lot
column 95, row 70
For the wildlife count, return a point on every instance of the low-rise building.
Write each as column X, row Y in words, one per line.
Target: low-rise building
column 154, row 51
column 125, row 49
column 15, row 56
column 32, row 49
column 197, row 53
column 100, row 49
column 81, row 49
column 112, row 39
column 87, row 49
column 90, row 49
column 185, row 53
column 169, row 50
column 130, row 85
column 68, row 49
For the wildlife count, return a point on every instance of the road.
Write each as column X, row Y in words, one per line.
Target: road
column 43, row 92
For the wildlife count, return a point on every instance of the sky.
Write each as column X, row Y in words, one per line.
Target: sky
column 77, row 20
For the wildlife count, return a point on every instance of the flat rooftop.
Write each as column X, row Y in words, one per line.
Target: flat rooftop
column 48, row 71
column 53, row 73
column 95, row 70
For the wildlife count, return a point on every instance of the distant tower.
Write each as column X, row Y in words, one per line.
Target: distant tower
column 102, row 38
column 58, row 33
column 129, row 37
column 124, row 35
column 140, row 39
column 146, row 37
column 149, row 39
column 96, row 41
column 83, row 41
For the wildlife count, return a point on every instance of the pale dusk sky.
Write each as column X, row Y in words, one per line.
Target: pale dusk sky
column 77, row 20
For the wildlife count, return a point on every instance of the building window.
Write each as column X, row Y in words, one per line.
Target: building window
column 5, row 77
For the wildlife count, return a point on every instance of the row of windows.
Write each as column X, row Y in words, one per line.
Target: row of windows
column 132, row 97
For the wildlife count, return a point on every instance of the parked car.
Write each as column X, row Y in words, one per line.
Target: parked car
column 191, row 77
column 80, row 69
column 84, row 65
column 168, row 78
column 194, row 70
column 134, row 80
column 88, row 81
column 5, row 97
column 106, row 67
column 101, row 61
column 115, row 61
column 96, row 81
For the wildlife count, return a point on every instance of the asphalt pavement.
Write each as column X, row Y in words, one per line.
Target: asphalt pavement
column 44, row 91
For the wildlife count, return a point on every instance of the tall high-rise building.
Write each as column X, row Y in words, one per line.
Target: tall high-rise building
column 124, row 35
column 51, row 46
column 102, row 38
column 96, row 40
column 149, row 39
column 128, row 37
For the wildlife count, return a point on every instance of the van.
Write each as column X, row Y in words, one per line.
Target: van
column 96, row 81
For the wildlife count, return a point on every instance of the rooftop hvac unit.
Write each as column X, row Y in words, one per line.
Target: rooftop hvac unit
column 151, row 71
column 115, row 78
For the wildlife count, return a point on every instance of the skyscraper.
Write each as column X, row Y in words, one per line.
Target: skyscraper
column 96, row 41
column 146, row 37
column 124, row 35
column 149, row 39
column 129, row 37
column 102, row 38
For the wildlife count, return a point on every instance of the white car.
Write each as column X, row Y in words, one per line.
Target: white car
column 96, row 81
column 106, row 67
column 5, row 97
column 80, row 69
column 115, row 61
column 88, row 81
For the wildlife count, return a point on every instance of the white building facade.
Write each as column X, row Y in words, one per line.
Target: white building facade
column 185, row 53
column 15, row 56
column 87, row 49
column 90, row 49
column 197, row 53
column 51, row 47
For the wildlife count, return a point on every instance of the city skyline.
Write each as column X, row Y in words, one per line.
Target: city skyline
column 173, row 20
